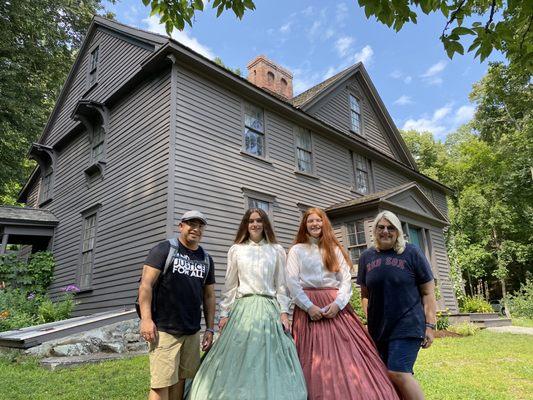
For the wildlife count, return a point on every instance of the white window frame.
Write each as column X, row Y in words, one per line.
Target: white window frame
column 358, row 245
column 361, row 165
column 251, row 196
column 355, row 105
column 254, row 130
column 300, row 149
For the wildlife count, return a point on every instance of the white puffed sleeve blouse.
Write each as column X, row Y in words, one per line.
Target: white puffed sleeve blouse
column 305, row 269
column 255, row 268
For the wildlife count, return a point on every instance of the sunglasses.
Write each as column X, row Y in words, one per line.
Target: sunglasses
column 389, row 228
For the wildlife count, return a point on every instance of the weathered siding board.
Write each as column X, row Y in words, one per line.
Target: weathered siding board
column 33, row 194
column 118, row 61
column 335, row 110
column 386, row 178
column 209, row 134
column 132, row 217
column 441, row 257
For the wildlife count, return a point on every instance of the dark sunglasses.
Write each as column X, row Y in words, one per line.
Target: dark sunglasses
column 390, row 228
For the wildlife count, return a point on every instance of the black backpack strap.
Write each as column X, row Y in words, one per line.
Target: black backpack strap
column 207, row 262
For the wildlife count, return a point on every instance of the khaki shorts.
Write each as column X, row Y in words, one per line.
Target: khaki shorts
column 173, row 358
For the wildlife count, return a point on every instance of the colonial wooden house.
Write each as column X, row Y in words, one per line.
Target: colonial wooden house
column 145, row 129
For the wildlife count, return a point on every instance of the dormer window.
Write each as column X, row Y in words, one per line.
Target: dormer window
column 355, row 115
column 46, row 158
column 93, row 66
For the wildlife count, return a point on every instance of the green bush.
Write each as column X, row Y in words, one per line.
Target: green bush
column 475, row 304
column 355, row 302
column 465, row 329
column 443, row 320
column 17, row 309
column 49, row 311
column 32, row 276
column 521, row 303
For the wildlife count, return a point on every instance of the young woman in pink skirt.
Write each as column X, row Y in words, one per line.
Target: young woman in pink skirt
column 338, row 358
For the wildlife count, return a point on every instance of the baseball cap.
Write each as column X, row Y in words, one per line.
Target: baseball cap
column 193, row 214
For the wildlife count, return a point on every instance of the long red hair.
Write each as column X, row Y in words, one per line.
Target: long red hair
column 327, row 242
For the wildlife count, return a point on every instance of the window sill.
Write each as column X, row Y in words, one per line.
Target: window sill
column 306, row 174
column 358, row 135
column 89, row 89
column 265, row 160
column 45, row 202
column 352, row 189
column 87, row 289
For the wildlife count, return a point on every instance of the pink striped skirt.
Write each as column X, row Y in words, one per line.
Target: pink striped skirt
column 338, row 357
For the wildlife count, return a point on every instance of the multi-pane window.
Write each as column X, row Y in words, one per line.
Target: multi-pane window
column 304, row 154
column 93, row 66
column 356, row 240
column 97, row 151
column 46, row 186
column 87, row 251
column 254, row 130
column 361, row 167
column 355, row 115
column 261, row 204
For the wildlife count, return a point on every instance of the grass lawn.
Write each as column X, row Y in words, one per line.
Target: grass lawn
column 486, row 366
column 526, row 322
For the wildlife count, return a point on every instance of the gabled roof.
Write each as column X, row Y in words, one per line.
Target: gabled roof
column 305, row 97
column 309, row 98
column 394, row 197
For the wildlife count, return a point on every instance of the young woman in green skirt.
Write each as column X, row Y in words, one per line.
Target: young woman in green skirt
column 255, row 356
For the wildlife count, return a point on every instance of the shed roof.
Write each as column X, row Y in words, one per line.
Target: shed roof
column 27, row 215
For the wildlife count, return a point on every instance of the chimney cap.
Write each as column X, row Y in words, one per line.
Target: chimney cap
column 270, row 63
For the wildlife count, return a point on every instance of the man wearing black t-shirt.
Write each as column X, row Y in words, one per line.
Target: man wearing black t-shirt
column 170, row 304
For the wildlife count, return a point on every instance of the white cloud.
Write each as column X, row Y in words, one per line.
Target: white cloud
column 396, row 74
column 314, row 30
column 153, row 25
column 440, row 113
column 403, row 100
column 303, row 79
column 342, row 12
column 330, row 72
column 364, row 56
column 407, row 80
column 286, row 28
column 437, row 124
column 329, row 33
column 308, row 11
column 434, row 69
column 464, row 114
column 343, row 45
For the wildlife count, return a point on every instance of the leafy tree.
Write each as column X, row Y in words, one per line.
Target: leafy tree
column 502, row 25
column 38, row 43
column 488, row 163
column 506, row 26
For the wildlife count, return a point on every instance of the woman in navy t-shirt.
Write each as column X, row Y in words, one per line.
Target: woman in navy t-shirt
column 398, row 296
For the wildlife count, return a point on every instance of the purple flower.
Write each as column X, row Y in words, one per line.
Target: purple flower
column 72, row 288
column 31, row 296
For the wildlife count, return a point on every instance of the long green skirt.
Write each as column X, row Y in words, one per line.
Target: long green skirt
column 252, row 359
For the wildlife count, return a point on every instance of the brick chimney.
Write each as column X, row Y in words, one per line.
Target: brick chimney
column 268, row 75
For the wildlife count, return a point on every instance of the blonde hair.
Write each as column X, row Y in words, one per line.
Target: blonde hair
column 400, row 244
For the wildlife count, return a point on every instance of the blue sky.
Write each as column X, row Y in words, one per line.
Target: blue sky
column 421, row 87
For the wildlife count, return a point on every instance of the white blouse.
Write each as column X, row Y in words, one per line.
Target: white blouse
column 305, row 269
column 255, row 268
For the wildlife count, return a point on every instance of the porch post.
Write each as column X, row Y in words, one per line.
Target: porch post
column 5, row 236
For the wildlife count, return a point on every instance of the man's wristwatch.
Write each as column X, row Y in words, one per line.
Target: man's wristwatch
column 210, row 330
column 430, row 326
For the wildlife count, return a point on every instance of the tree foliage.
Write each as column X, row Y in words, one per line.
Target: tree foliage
column 175, row 14
column 489, row 165
column 492, row 25
column 482, row 25
column 38, row 43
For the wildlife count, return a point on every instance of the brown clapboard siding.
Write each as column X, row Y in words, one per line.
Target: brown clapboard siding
column 118, row 60
column 444, row 280
column 335, row 110
column 209, row 126
column 132, row 194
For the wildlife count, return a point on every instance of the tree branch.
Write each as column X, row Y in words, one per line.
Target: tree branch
column 492, row 11
column 452, row 17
